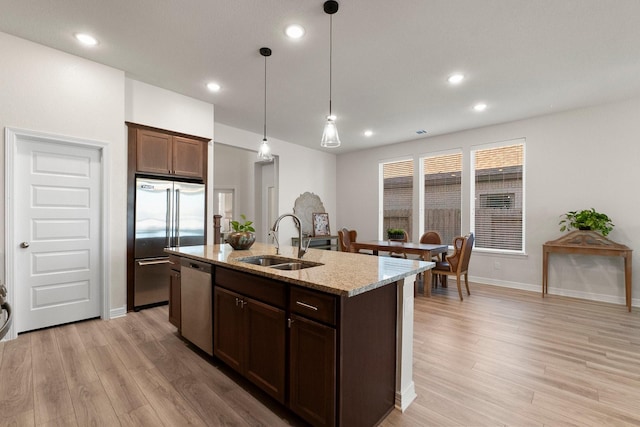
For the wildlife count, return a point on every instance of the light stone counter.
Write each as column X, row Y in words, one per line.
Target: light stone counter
column 342, row 273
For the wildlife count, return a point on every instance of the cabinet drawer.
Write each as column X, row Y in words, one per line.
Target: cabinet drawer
column 260, row 288
column 314, row 305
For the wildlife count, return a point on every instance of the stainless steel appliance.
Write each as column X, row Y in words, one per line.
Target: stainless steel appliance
column 196, row 301
column 168, row 213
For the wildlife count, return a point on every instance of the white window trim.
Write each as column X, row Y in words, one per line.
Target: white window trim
column 421, row 190
column 472, row 191
column 381, row 232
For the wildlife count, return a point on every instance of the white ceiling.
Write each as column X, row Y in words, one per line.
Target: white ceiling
column 390, row 59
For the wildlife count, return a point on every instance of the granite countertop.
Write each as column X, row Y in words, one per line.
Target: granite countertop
column 342, row 273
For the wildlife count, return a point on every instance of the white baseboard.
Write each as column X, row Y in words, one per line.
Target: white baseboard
column 117, row 312
column 555, row 291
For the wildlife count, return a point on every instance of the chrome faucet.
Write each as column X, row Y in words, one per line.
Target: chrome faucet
column 273, row 233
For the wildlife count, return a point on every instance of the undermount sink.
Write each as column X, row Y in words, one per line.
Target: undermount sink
column 279, row 263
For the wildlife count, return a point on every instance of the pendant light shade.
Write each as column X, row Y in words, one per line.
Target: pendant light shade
column 330, row 135
column 264, row 153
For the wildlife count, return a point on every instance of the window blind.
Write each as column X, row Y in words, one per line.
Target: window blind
column 398, row 195
column 499, row 194
column 442, row 195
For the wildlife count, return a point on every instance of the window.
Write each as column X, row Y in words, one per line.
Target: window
column 442, row 194
column 397, row 200
column 498, row 191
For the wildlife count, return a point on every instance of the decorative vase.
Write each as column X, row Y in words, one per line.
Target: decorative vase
column 240, row 240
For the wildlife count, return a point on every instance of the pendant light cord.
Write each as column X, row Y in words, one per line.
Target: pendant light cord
column 265, row 97
column 330, row 58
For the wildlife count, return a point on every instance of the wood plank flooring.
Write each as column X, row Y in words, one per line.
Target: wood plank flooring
column 500, row 357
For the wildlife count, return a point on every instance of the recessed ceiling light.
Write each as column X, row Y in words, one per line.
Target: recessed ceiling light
column 454, row 79
column 294, row 31
column 86, row 39
column 480, row 107
column 368, row 133
column 213, row 87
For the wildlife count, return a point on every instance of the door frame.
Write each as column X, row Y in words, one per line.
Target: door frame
column 12, row 137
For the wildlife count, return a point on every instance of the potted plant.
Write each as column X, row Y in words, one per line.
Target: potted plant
column 587, row 219
column 395, row 233
column 243, row 235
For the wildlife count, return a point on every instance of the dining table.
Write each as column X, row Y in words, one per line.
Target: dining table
column 425, row 250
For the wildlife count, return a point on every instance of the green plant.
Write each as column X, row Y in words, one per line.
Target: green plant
column 393, row 232
column 244, row 226
column 587, row 219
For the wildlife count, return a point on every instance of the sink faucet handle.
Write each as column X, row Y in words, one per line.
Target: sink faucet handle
column 306, row 247
column 274, row 236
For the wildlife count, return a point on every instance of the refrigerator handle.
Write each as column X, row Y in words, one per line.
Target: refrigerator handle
column 168, row 222
column 177, row 217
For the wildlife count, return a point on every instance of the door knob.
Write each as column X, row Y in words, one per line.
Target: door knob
column 24, row 244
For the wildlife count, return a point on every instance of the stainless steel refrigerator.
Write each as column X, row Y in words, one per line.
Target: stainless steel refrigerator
column 168, row 213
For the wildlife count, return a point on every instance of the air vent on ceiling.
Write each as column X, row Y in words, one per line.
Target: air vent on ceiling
column 421, row 132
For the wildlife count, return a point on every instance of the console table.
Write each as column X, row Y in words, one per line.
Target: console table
column 586, row 242
column 319, row 242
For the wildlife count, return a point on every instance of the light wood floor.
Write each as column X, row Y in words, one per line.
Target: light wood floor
column 500, row 357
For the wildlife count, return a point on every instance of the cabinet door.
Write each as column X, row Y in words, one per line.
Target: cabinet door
column 228, row 328
column 174, row 298
column 188, row 157
column 265, row 351
column 312, row 375
column 153, row 152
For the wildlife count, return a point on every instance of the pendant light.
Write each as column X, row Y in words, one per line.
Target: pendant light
column 264, row 154
column 330, row 135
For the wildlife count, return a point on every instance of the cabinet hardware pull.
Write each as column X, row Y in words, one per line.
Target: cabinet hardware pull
column 237, row 301
column 154, row 262
column 289, row 322
column 305, row 305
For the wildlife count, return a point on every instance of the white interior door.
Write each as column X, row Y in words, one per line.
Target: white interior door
column 58, row 240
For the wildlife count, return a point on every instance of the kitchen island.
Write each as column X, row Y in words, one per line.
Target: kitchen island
column 333, row 341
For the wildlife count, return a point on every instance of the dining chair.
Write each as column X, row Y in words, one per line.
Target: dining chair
column 457, row 263
column 345, row 237
column 432, row 238
column 405, row 238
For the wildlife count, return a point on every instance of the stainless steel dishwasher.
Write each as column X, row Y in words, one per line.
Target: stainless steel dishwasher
column 196, row 304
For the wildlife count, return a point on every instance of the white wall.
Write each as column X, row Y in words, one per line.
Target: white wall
column 574, row 160
column 45, row 90
column 300, row 169
column 152, row 106
column 233, row 168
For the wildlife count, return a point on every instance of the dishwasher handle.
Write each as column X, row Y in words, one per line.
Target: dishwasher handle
column 195, row 265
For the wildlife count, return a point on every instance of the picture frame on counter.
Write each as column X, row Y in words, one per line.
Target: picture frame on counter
column 321, row 224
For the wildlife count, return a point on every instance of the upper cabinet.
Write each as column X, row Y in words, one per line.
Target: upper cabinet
column 163, row 153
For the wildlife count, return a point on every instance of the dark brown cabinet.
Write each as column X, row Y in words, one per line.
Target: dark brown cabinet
column 249, row 335
column 312, row 371
column 187, row 157
column 174, row 292
column 227, row 339
column 312, row 355
column 331, row 359
column 165, row 154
